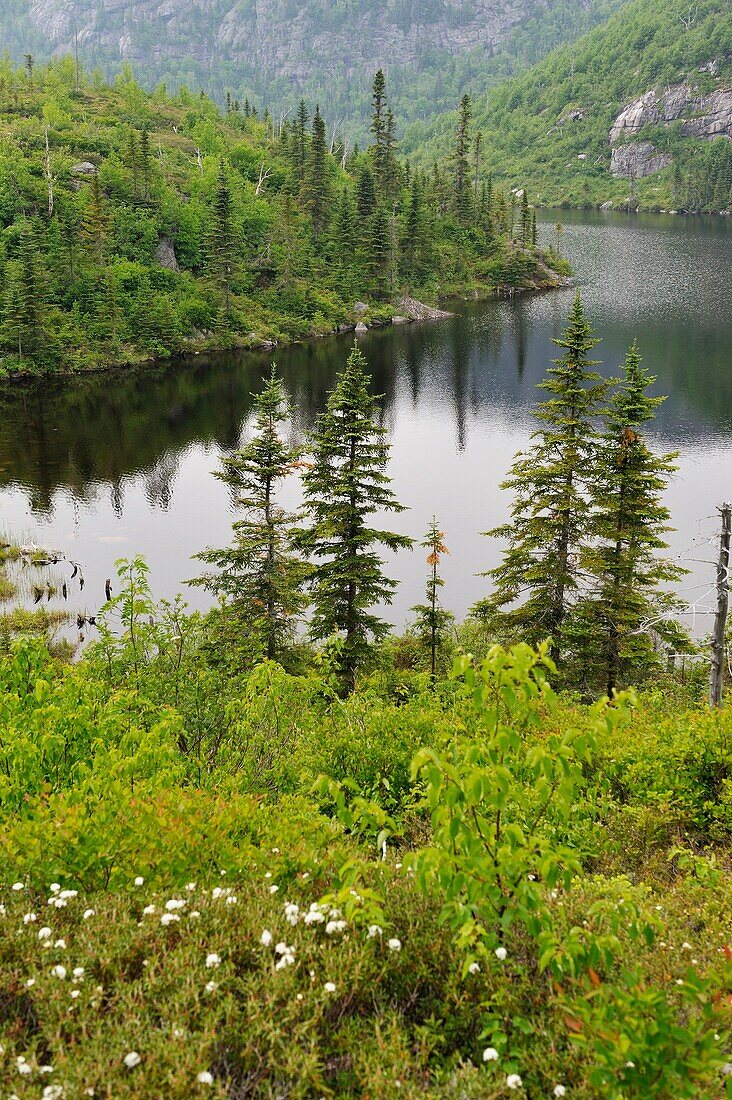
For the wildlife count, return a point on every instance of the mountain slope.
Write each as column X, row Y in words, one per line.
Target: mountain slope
column 273, row 51
column 657, row 74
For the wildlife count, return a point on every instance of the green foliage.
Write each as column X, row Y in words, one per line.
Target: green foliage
column 151, row 225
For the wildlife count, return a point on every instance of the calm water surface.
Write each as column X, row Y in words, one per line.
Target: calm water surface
column 115, row 465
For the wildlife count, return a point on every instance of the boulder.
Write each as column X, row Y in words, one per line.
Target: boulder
column 165, row 254
column 83, row 168
column 361, row 327
column 359, row 307
column 707, row 116
column 637, row 159
column 400, row 320
column 418, row 311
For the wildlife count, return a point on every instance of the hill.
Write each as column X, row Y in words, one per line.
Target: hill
column 638, row 111
column 275, row 51
column 135, row 226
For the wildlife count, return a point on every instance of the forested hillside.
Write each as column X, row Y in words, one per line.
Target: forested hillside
column 274, row 52
column 134, row 226
column 574, row 128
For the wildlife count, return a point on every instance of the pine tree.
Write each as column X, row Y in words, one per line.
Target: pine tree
column 344, row 238
column 316, row 181
column 222, row 246
column 614, row 647
column 549, row 516
column 345, row 485
column 412, row 243
column 378, row 253
column 462, row 200
column 432, row 620
column 365, row 193
column 23, row 317
column 261, row 575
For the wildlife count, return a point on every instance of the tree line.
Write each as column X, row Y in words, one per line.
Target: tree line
column 582, row 561
column 135, row 226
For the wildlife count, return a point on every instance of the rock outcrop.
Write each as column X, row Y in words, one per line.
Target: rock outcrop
column 706, row 116
column 418, row 311
column 637, row 159
column 165, row 254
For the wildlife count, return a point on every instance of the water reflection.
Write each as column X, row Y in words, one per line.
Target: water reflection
column 109, row 464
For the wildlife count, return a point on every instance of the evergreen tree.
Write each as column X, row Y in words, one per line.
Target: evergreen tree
column 316, row 183
column 345, row 236
column 261, row 575
column 94, row 224
column 614, row 647
column 525, row 220
column 345, row 485
column 378, row 253
column 23, row 318
column 549, row 517
column 132, row 162
column 300, row 144
column 144, row 164
column 391, row 164
column 412, row 243
column 462, row 196
column 378, row 129
column 365, row 193
column 222, row 246
column 432, row 620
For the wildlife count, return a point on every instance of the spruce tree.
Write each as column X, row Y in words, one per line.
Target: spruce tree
column 346, row 484
column 538, row 577
column 462, row 196
column 316, row 181
column 378, row 149
column 261, row 575
column 365, row 193
column 94, row 224
column 300, row 144
column 379, row 253
column 621, row 563
column 222, row 246
column 525, row 220
column 432, row 620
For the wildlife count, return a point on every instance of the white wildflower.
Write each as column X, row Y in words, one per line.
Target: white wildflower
column 232, row 899
column 169, row 918
column 75, row 993
column 205, row 1078
column 329, row 987
column 175, row 903
column 132, row 1059
column 139, row 881
column 44, row 933
column 210, row 986
column 334, row 926
column 274, row 888
column 88, row 913
column 69, row 894
column 60, row 944
column 560, row 1090
column 78, row 972
column 191, row 887
column 59, row 971
column 52, row 1092
column 18, row 886
column 24, row 1068
column 194, row 915
column 29, row 918
column 148, row 910
column 490, row 1054
column 513, row 1081
column 375, row 930
column 55, row 887
column 30, row 983
column 266, row 937
column 501, row 954
column 474, row 968
column 213, row 960
column 394, row 944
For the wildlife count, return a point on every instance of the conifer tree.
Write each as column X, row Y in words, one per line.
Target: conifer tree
column 94, row 225
column 378, row 129
column 346, row 484
column 222, row 246
column 379, row 253
column 525, row 220
column 144, row 164
column 432, row 620
column 538, row 577
column 626, row 533
column 261, row 575
column 365, row 193
column 316, row 182
column 345, row 236
column 22, row 328
column 462, row 200
column 300, row 145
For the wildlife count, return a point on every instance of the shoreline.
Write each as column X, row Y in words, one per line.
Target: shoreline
column 428, row 315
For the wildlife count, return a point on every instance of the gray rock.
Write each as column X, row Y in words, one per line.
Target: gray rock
column 400, row 320
column 361, row 327
column 345, row 328
column 165, row 254
column 637, row 159
column 606, row 205
column 359, row 307
column 83, row 168
column 707, row 116
column 418, row 311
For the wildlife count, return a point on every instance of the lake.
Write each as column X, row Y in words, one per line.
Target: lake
column 113, row 465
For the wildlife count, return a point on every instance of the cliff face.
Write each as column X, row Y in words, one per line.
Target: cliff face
column 701, row 116
column 287, row 39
